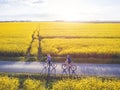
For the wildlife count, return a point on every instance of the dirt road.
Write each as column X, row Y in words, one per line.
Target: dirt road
column 82, row 69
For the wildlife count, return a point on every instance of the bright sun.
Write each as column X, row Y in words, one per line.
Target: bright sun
column 67, row 10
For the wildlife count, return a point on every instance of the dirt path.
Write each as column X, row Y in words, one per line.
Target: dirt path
column 82, row 69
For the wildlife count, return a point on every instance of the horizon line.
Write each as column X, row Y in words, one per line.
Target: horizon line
column 97, row 21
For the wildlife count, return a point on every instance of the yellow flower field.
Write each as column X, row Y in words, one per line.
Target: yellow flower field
column 81, row 46
column 7, row 83
column 84, row 38
column 86, row 83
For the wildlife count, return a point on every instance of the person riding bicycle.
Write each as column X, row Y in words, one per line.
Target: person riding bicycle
column 48, row 59
column 68, row 60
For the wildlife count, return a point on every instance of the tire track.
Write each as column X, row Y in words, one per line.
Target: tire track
column 35, row 36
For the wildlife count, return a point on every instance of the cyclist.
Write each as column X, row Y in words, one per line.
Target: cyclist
column 68, row 60
column 48, row 59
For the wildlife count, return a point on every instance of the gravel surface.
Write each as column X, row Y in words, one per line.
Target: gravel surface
column 40, row 67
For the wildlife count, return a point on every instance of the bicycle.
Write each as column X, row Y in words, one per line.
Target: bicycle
column 69, row 68
column 47, row 65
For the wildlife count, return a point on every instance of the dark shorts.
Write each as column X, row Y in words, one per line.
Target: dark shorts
column 69, row 62
column 49, row 62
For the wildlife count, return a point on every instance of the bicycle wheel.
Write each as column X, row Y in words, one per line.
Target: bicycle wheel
column 64, row 66
column 45, row 65
column 54, row 65
column 73, row 67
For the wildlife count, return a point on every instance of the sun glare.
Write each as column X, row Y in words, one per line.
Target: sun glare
column 68, row 10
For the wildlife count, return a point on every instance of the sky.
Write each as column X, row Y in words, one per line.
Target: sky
column 65, row 10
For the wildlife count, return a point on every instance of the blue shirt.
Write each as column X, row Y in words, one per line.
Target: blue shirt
column 48, row 58
column 69, row 60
